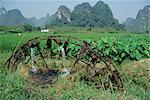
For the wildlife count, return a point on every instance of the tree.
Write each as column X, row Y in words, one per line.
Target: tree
column 38, row 28
column 28, row 28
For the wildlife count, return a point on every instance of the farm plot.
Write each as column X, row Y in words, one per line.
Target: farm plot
column 118, row 49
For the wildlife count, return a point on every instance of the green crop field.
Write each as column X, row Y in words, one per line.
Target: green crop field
column 130, row 52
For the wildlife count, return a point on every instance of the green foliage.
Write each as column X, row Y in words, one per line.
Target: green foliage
column 19, row 30
column 12, row 86
column 125, row 49
column 28, row 28
column 59, row 22
column 11, row 29
column 38, row 29
column 119, row 46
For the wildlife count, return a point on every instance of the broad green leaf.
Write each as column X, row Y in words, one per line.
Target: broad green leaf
column 146, row 52
column 115, row 58
column 106, row 51
column 137, row 55
column 114, row 49
column 123, row 54
column 127, row 50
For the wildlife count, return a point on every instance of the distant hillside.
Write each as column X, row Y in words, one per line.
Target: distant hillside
column 61, row 17
column 84, row 15
column 142, row 22
column 42, row 21
column 12, row 17
column 2, row 11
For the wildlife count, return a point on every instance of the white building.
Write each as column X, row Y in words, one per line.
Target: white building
column 45, row 30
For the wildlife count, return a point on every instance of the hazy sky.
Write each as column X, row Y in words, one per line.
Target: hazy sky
column 121, row 8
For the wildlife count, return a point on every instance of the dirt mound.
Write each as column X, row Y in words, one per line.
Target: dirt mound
column 141, row 67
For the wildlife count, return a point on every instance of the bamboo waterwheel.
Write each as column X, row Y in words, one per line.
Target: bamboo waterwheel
column 47, row 58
